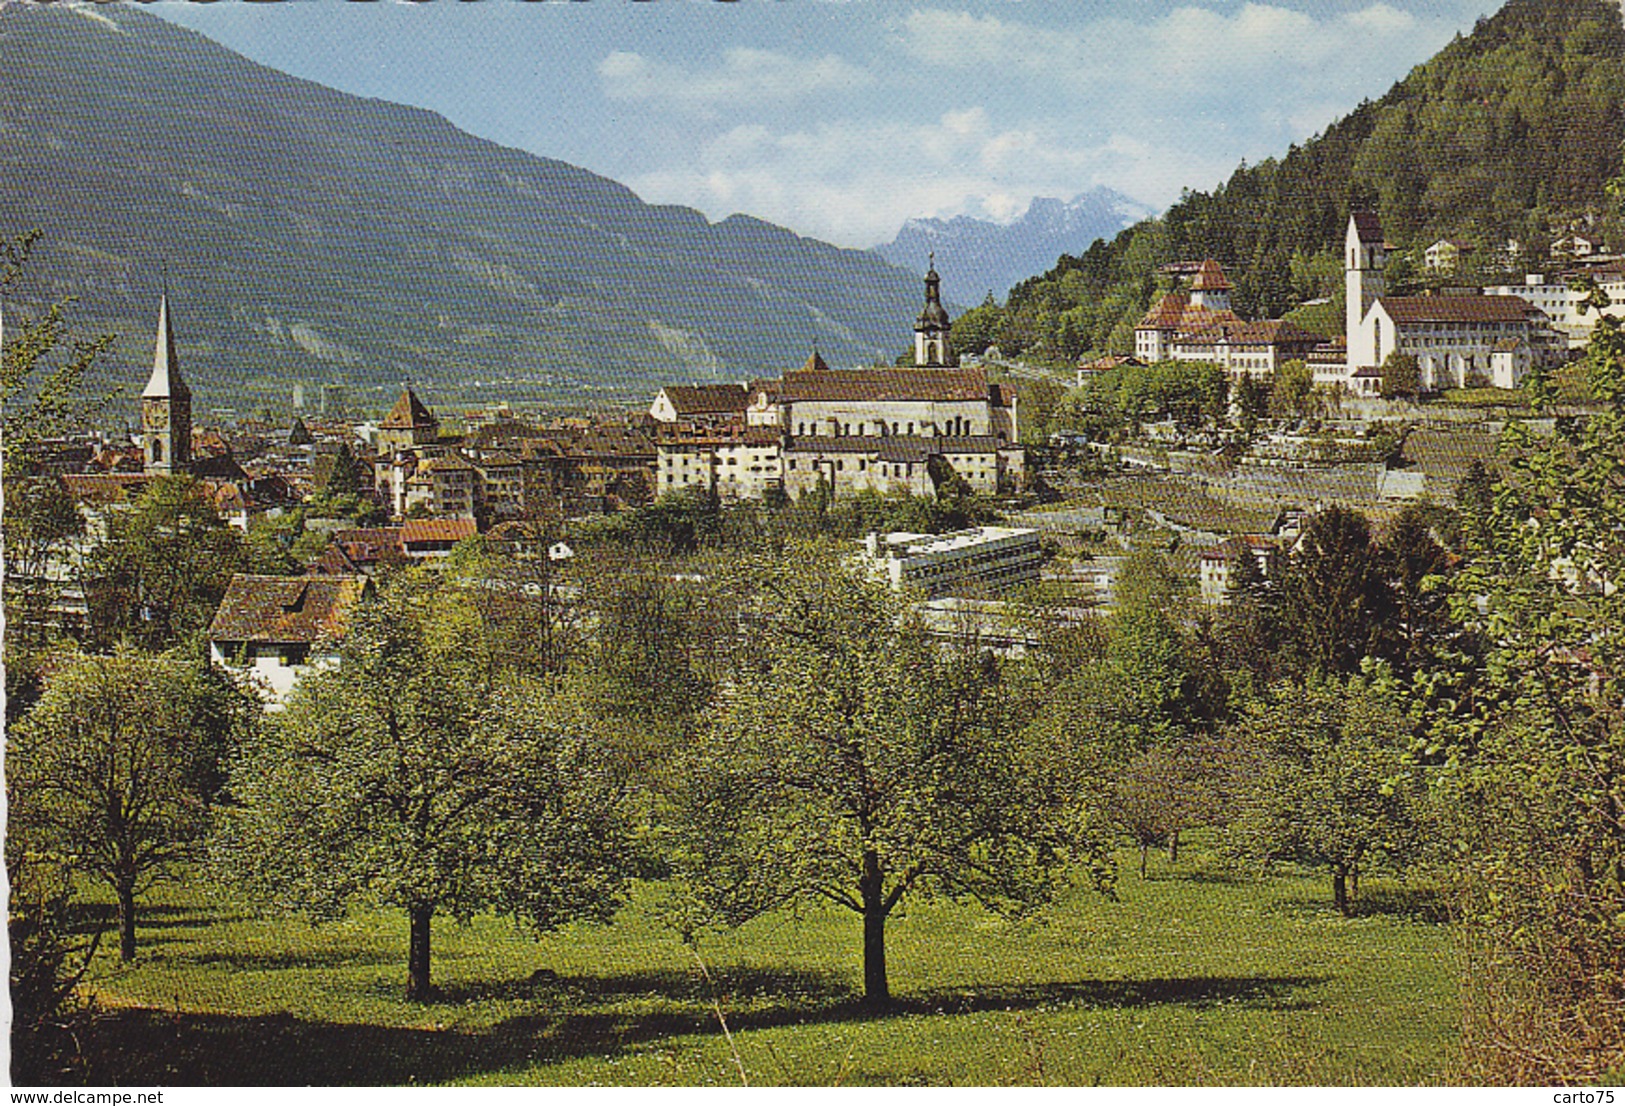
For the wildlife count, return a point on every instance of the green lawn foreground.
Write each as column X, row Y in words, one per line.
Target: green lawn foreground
column 1190, row 978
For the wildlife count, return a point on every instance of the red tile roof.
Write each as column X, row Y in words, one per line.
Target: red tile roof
column 1210, row 278
column 364, row 547
column 1110, row 361
column 873, row 385
column 407, row 413
column 1166, row 312
column 105, row 487
column 436, row 529
column 706, row 399
column 1458, row 309
column 285, row 608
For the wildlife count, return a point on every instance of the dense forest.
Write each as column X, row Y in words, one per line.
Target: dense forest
column 1510, row 132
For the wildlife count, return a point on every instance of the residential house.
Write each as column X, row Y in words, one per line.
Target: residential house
column 278, row 629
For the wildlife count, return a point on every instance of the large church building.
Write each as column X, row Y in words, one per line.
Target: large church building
column 1457, row 340
column 848, row 430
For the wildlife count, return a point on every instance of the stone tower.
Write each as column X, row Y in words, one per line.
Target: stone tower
column 931, row 330
column 166, row 405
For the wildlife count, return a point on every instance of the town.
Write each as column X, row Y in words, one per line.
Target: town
column 513, row 631
column 944, row 423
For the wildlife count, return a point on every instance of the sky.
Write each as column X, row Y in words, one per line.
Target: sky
column 841, row 119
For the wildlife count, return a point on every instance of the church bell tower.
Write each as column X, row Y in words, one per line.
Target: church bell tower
column 931, row 330
column 166, row 405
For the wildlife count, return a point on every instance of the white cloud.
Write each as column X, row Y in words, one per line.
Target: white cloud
column 1028, row 105
column 1382, row 19
column 856, row 182
column 743, row 75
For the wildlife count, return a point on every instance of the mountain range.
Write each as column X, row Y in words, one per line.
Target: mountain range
column 316, row 237
column 978, row 257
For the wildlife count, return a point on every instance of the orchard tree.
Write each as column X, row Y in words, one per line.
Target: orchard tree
column 1290, row 390
column 113, row 770
column 1327, row 780
column 1401, row 376
column 164, row 567
column 407, row 777
column 45, row 392
column 43, row 374
column 850, row 761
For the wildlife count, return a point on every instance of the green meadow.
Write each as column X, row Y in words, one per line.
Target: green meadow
column 1191, row 976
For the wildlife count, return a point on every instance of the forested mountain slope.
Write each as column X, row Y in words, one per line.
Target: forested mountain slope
column 1510, row 132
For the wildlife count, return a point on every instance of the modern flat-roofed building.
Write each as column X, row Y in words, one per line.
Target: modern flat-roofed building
column 979, row 560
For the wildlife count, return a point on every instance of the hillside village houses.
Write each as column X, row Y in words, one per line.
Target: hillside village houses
column 849, row 430
column 1463, row 337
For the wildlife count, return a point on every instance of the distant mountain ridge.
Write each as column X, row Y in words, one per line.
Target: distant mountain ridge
column 318, row 237
column 978, row 256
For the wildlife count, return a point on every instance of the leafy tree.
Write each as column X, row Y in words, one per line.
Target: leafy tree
column 42, row 526
column 408, row 777
column 164, row 567
column 1536, row 750
column 1291, row 388
column 114, row 768
column 43, row 386
column 1164, row 790
column 50, row 954
column 850, row 762
column 44, row 393
column 1252, row 403
column 1401, row 376
column 1328, row 781
column 977, row 329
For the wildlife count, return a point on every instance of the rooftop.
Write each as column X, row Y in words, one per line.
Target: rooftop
column 285, row 608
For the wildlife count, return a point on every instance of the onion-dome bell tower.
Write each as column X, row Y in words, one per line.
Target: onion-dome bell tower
column 931, row 330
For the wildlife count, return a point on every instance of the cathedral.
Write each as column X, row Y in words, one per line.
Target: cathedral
column 847, row 430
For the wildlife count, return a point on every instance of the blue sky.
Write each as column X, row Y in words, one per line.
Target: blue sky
column 842, row 118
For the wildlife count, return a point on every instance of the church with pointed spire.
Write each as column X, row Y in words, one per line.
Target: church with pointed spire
column 166, row 405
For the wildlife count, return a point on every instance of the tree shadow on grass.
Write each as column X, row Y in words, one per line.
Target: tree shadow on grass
column 146, row 1046
column 1419, row 904
column 91, row 916
column 273, row 961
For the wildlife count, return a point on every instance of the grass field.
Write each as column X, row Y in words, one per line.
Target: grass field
column 1190, row 978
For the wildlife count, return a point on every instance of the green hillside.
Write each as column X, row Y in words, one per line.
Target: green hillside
column 319, row 237
column 1510, row 132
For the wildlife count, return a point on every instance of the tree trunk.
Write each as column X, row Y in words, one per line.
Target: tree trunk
column 418, row 987
column 126, row 923
column 1340, row 890
column 1145, row 851
column 876, row 992
column 1173, row 847
column 1354, row 882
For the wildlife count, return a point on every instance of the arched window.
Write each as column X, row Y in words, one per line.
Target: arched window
column 157, row 451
